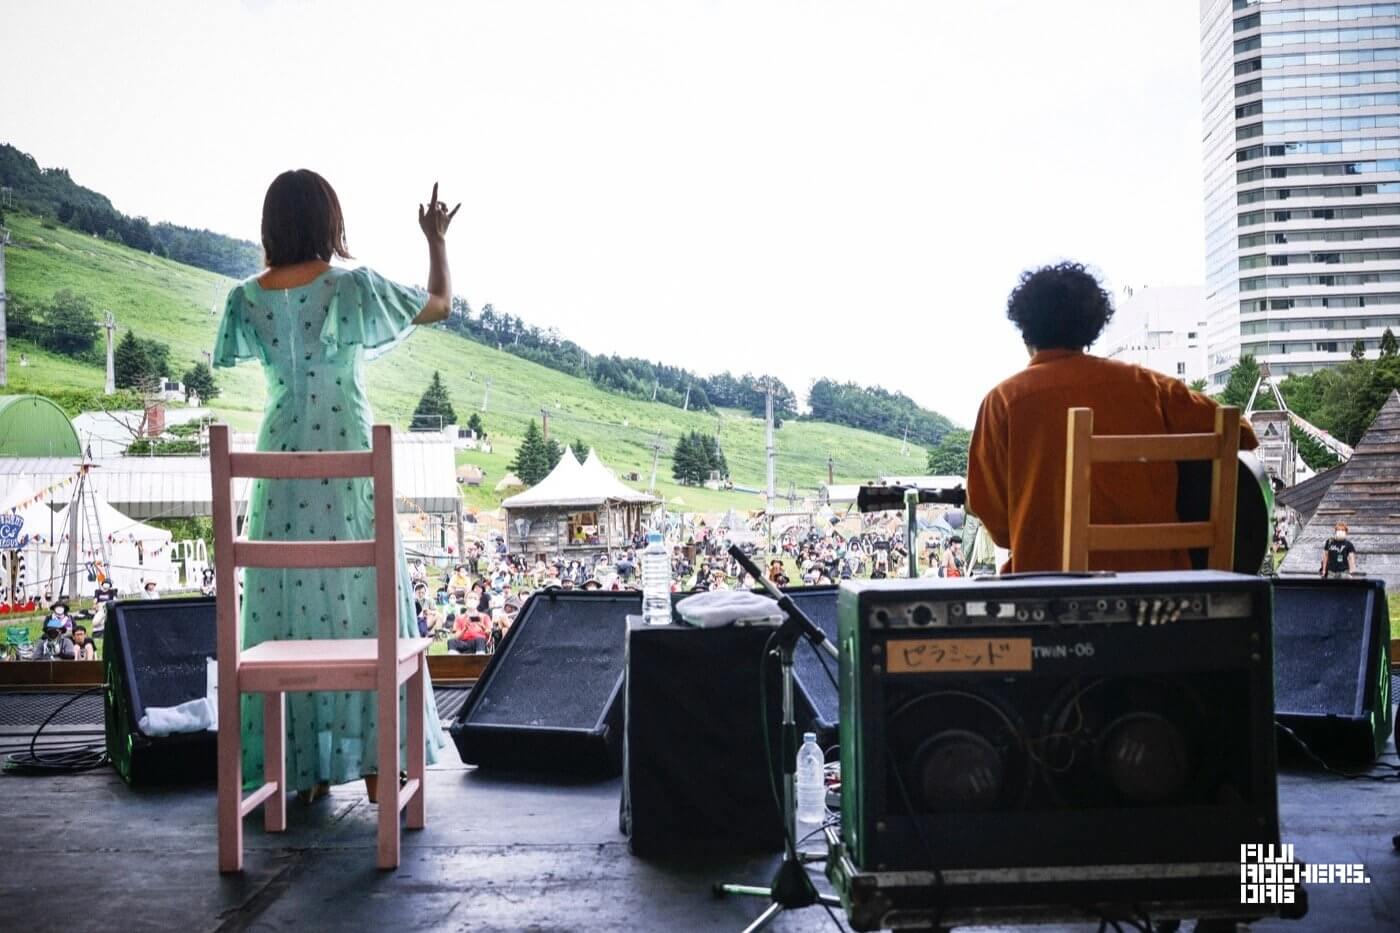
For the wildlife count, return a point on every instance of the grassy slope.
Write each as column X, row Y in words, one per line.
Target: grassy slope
column 170, row 301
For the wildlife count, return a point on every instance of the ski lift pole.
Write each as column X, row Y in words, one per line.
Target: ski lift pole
column 911, row 530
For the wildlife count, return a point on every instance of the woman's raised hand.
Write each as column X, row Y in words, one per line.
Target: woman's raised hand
column 434, row 217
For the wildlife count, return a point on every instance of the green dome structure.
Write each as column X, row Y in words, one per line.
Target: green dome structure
column 33, row 426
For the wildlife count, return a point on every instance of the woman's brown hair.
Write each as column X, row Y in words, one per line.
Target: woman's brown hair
column 301, row 220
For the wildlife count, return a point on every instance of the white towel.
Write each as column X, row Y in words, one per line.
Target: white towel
column 192, row 716
column 730, row 607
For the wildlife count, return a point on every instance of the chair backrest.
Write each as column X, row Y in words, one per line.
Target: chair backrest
column 1085, row 448
column 232, row 552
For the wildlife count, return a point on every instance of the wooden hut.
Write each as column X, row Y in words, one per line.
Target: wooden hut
column 1364, row 493
column 577, row 511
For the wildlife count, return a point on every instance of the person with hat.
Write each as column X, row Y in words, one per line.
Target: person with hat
column 150, row 591
column 58, row 616
column 55, row 645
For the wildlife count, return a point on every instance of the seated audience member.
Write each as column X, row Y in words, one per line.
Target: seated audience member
column 55, row 645
column 469, row 634
column 58, row 618
column 1016, row 462
column 83, row 648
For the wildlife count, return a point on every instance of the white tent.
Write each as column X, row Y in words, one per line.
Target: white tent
column 136, row 552
column 31, row 523
column 597, row 473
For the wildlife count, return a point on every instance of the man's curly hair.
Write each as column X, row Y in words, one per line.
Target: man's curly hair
column 1059, row 307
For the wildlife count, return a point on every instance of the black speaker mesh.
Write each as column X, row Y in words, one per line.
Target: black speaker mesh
column 1320, row 640
column 165, row 644
column 819, row 603
column 561, row 662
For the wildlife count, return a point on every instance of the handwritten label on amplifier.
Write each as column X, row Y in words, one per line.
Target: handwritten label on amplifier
column 947, row 655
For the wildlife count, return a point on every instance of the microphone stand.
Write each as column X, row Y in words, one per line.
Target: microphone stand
column 791, row 887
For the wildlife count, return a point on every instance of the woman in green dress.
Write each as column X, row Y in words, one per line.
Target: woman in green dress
column 312, row 326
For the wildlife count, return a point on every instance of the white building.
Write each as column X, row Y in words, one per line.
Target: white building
column 1162, row 328
column 1301, row 143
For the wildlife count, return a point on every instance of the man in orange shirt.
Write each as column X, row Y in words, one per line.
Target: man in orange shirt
column 1016, row 463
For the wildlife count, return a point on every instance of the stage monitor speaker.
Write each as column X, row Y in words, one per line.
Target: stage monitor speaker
column 154, row 654
column 1111, row 733
column 1332, row 666
column 696, row 780
column 550, row 698
column 818, row 705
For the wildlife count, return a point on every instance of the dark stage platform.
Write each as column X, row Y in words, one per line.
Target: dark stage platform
column 87, row 853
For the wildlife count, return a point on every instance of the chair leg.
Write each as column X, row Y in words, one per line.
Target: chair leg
column 230, row 792
column 388, row 726
column 275, row 760
column 417, row 754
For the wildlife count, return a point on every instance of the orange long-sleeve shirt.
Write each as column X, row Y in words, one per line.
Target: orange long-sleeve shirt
column 1016, row 464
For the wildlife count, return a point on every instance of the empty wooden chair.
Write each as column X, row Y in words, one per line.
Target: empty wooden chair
column 274, row 668
column 1084, row 448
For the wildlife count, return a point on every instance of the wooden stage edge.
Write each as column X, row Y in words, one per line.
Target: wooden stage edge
column 446, row 670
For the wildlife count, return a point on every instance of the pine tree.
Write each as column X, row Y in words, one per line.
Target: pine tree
column 531, row 461
column 1358, row 350
column 199, row 379
column 1389, row 346
column 553, row 453
column 681, row 458
column 580, row 449
column 131, row 361
column 434, row 410
column 691, row 465
column 474, row 425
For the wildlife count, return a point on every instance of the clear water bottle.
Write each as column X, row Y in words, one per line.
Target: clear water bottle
column 811, row 786
column 656, row 582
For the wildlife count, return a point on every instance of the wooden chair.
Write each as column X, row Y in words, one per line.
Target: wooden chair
column 1085, row 448
column 272, row 668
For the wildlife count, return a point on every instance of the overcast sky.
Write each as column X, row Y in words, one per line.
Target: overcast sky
column 840, row 189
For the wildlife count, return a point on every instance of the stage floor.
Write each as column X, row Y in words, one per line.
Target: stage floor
column 85, row 852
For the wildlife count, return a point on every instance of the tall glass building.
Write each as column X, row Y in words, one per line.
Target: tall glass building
column 1301, row 126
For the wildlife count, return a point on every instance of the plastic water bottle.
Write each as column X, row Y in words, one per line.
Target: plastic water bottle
column 656, row 582
column 811, row 787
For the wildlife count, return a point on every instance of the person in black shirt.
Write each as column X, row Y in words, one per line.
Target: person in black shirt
column 1338, row 554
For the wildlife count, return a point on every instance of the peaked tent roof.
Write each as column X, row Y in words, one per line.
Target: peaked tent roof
column 1306, row 495
column 597, row 472
column 1366, row 495
column 573, row 484
column 115, row 525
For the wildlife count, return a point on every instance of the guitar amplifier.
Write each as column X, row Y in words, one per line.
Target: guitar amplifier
column 1021, row 747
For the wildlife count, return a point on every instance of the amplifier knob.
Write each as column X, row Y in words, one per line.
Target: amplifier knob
column 1022, row 615
column 923, row 615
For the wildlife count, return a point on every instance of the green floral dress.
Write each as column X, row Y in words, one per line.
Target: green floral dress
column 312, row 341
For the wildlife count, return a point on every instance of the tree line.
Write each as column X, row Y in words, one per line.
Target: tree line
column 630, row 376
column 52, row 193
column 876, row 409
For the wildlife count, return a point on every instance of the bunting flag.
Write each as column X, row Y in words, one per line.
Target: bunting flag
column 42, row 493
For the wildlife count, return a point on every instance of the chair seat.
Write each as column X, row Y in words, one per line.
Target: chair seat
column 322, row 664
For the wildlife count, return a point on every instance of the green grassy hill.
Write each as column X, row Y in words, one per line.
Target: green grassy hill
column 180, row 305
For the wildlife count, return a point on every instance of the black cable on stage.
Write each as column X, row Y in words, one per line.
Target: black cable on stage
column 70, row 758
column 832, row 914
column 1391, row 774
